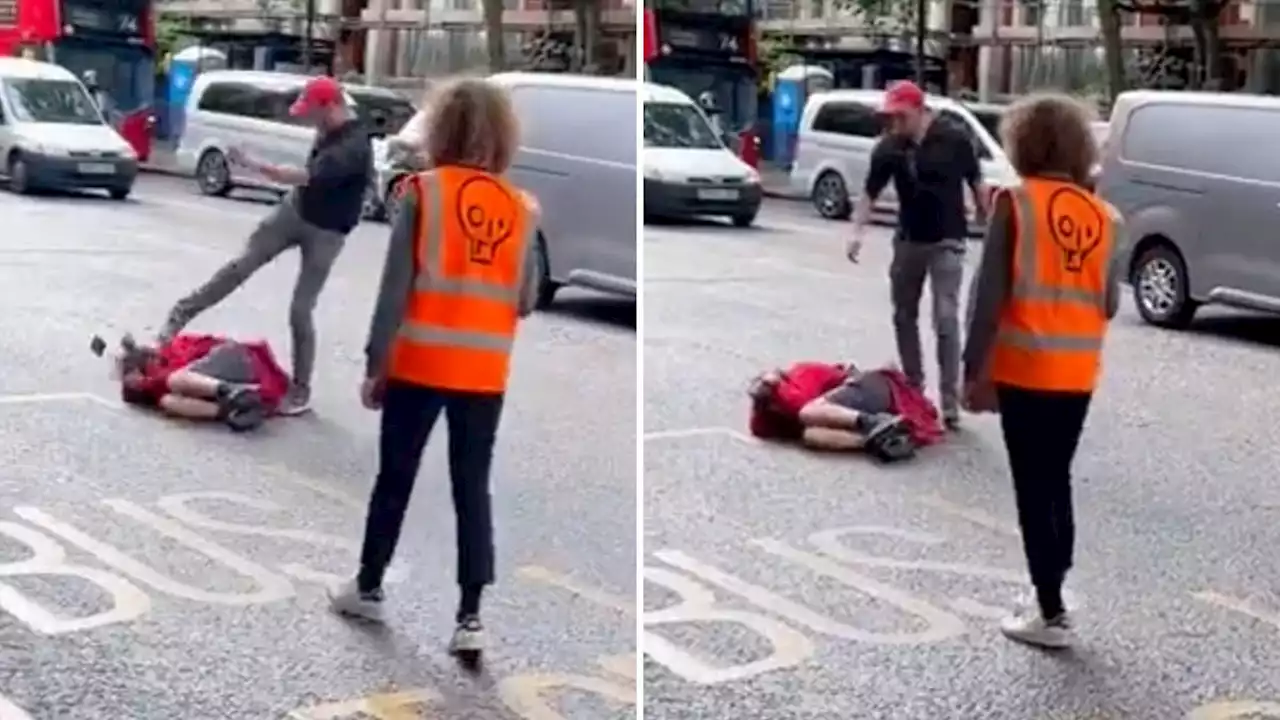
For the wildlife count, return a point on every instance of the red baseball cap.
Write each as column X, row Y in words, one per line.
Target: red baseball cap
column 902, row 96
column 319, row 92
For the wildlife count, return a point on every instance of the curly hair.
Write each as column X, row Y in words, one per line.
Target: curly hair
column 1050, row 135
column 471, row 123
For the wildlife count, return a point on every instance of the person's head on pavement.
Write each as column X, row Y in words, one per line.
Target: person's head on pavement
column 323, row 104
column 904, row 110
column 471, row 124
column 1049, row 136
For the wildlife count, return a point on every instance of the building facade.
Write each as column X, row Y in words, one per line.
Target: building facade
column 389, row 40
column 1006, row 47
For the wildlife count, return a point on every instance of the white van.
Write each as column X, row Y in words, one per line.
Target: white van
column 688, row 169
column 53, row 136
column 837, row 133
column 250, row 110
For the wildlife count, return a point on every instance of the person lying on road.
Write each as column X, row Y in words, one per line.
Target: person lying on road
column 842, row 408
column 203, row 377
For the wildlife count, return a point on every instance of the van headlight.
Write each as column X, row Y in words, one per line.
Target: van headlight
column 753, row 177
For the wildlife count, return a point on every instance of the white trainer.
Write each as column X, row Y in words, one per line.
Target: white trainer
column 467, row 643
column 346, row 599
column 1032, row 629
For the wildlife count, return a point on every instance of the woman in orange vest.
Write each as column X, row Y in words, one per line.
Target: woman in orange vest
column 459, row 275
column 1045, row 294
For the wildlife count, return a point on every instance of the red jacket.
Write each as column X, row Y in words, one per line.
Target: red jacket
column 187, row 348
column 778, row 415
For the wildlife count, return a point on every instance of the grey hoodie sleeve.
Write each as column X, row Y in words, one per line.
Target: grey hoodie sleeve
column 394, row 290
column 990, row 288
column 1115, row 272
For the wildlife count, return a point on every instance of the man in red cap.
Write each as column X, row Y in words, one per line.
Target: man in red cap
column 930, row 161
column 320, row 210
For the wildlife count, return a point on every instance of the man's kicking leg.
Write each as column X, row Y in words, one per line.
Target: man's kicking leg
column 275, row 234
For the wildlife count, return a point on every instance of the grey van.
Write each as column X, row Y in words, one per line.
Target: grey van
column 1201, row 216
column 578, row 157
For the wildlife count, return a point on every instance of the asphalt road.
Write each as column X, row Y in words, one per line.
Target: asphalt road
column 827, row 587
column 158, row 570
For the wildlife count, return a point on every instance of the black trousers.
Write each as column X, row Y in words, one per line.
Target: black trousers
column 408, row 414
column 1041, row 432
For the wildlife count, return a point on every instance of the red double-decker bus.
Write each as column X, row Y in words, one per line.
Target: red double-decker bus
column 115, row 39
column 708, row 46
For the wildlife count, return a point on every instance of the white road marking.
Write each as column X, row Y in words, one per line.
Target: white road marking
column 676, row 434
column 1240, row 605
column 698, row 605
column 973, row 515
column 603, row 598
column 1236, row 710
column 28, row 398
column 9, row 710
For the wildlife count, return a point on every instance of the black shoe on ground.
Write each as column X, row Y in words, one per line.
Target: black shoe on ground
column 872, row 425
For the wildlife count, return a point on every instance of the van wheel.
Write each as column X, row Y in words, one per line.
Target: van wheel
column 120, row 193
column 831, row 197
column 744, row 219
column 19, row 175
column 547, row 287
column 1160, row 288
column 213, row 175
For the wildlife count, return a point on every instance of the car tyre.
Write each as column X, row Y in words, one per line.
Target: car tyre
column 831, row 196
column 547, row 287
column 19, row 175
column 1160, row 289
column 213, row 174
column 120, row 193
column 744, row 219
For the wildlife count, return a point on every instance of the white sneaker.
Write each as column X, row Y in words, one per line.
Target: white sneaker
column 346, row 599
column 1032, row 629
column 468, row 640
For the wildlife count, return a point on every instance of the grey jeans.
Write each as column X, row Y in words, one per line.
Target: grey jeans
column 280, row 230
column 943, row 264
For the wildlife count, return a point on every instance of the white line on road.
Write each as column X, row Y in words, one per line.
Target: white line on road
column 700, row 432
column 29, row 398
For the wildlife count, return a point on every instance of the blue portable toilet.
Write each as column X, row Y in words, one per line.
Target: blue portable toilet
column 183, row 69
column 792, row 89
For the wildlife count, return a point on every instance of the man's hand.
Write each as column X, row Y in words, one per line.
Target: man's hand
column 371, row 392
column 853, row 248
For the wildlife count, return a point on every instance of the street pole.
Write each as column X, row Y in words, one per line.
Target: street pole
column 310, row 27
column 922, row 25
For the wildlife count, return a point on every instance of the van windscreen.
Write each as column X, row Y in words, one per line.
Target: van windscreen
column 675, row 125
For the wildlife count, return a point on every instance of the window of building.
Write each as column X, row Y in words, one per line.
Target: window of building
column 848, row 118
column 1075, row 14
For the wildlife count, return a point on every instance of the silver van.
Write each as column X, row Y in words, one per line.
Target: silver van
column 838, row 131
column 53, row 136
column 1201, row 216
column 250, row 109
column 578, row 157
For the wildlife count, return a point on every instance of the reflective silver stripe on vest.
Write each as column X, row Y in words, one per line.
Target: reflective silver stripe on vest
column 1030, row 341
column 430, row 278
column 434, row 335
column 1025, row 284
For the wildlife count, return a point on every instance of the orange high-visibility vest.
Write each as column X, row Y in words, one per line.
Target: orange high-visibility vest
column 1053, row 323
column 474, row 232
